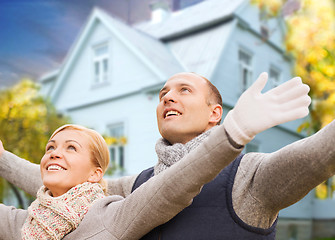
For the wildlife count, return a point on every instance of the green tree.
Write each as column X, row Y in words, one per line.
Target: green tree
column 26, row 122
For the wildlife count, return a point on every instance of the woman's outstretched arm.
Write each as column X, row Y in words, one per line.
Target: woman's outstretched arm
column 20, row 172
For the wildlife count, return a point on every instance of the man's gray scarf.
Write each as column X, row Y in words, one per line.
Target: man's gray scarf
column 169, row 154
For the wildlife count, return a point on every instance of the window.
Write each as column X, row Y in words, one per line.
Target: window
column 274, row 76
column 245, row 63
column 116, row 131
column 292, row 232
column 101, row 64
column 265, row 32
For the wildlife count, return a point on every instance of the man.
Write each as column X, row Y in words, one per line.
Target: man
column 244, row 200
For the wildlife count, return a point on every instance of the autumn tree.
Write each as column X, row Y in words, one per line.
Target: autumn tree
column 310, row 39
column 27, row 120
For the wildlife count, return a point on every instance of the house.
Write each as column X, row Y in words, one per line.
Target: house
column 111, row 77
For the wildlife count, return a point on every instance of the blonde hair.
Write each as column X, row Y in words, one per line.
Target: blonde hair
column 98, row 147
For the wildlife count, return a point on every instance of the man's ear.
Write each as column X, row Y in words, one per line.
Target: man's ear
column 96, row 176
column 216, row 114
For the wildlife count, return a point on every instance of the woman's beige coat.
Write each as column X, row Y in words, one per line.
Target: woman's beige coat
column 152, row 204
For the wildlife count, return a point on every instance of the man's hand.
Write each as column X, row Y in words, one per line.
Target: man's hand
column 255, row 112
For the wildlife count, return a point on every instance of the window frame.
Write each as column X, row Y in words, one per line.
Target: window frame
column 117, row 151
column 245, row 69
column 275, row 83
column 102, row 60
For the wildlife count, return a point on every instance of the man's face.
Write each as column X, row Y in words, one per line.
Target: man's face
column 183, row 111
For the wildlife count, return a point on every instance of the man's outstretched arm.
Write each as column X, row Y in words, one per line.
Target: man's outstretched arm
column 253, row 113
column 271, row 182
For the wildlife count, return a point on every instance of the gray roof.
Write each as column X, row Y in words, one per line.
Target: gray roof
column 155, row 51
column 200, row 52
column 189, row 19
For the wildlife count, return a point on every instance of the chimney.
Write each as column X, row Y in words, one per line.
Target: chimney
column 159, row 11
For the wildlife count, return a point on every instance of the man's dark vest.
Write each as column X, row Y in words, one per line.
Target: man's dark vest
column 210, row 216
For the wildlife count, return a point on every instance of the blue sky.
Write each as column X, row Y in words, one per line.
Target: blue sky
column 35, row 35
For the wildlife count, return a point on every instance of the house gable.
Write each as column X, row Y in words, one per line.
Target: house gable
column 129, row 68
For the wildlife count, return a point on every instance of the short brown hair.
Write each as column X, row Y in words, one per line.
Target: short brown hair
column 214, row 94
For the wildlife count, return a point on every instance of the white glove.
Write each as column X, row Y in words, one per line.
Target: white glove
column 255, row 112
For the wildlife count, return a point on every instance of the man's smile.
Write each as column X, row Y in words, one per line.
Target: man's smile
column 171, row 113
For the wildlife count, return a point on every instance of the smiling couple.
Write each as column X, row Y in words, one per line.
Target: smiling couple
column 240, row 195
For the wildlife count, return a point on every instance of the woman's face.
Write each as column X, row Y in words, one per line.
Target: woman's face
column 67, row 162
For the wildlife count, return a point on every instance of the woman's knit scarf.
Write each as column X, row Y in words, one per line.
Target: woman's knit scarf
column 54, row 217
column 169, row 154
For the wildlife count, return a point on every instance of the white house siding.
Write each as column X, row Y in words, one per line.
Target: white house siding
column 265, row 53
column 46, row 87
column 226, row 76
column 138, row 113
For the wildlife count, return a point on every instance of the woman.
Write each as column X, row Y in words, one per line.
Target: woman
column 72, row 204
